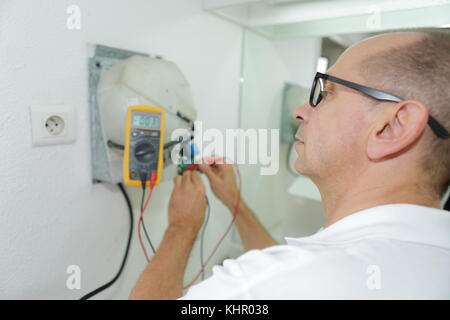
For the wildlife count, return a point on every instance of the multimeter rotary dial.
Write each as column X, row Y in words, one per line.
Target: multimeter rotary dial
column 145, row 152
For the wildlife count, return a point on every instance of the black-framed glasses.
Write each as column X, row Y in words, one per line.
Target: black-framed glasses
column 317, row 91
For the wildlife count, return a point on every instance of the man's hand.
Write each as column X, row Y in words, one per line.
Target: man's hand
column 163, row 276
column 223, row 183
column 187, row 204
column 222, row 180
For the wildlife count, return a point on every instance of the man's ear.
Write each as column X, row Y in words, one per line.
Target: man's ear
column 397, row 127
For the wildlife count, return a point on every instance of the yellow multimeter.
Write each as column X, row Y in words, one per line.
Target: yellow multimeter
column 143, row 145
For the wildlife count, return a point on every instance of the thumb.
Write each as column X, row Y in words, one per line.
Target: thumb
column 206, row 169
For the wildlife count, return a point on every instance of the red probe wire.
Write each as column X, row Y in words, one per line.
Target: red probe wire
column 152, row 185
column 192, row 167
column 225, row 234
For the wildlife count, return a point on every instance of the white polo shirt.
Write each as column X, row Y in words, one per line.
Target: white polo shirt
column 395, row 251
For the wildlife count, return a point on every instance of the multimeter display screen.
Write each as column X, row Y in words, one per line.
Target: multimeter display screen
column 147, row 121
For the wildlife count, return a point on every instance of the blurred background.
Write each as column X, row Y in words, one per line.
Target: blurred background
column 249, row 64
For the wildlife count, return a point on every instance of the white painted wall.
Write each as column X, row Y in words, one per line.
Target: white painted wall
column 51, row 214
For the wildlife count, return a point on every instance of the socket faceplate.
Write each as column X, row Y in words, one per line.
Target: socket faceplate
column 52, row 125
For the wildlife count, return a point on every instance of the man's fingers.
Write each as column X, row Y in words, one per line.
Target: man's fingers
column 177, row 181
column 196, row 179
column 186, row 178
column 206, row 169
column 214, row 160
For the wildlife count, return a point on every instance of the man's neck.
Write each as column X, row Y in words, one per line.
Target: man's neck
column 341, row 201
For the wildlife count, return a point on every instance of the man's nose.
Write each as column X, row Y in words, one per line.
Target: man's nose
column 302, row 112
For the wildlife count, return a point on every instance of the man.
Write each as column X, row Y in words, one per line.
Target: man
column 381, row 160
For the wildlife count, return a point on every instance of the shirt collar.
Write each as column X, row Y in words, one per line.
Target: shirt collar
column 406, row 222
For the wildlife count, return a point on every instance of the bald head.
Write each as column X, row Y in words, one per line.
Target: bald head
column 413, row 66
column 377, row 44
column 349, row 63
column 351, row 136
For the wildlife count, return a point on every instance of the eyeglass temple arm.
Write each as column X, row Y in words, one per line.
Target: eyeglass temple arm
column 437, row 128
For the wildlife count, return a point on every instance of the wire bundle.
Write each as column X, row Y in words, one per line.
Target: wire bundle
column 203, row 264
column 224, row 235
column 141, row 217
column 141, row 220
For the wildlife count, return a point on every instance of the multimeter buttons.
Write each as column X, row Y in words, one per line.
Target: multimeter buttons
column 145, row 152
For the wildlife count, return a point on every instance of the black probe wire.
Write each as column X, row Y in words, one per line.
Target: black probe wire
column 166, row 146
column 107, row 285
column 143, row 223
column 202, row 236
column 130, row 209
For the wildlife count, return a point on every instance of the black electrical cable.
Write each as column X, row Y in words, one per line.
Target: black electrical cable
column 143, row 223
column 202, row 237
column 107, row 285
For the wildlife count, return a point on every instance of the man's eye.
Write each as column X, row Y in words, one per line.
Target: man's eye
column 322, row 96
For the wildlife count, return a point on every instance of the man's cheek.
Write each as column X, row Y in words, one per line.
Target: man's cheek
column 353, row 133
column 314, row 149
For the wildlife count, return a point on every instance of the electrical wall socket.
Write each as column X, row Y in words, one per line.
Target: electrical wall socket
column 52, row 125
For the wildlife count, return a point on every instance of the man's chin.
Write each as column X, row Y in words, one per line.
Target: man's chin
column 300, row 167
